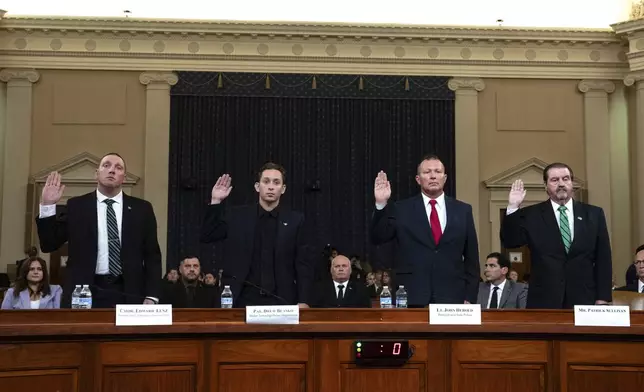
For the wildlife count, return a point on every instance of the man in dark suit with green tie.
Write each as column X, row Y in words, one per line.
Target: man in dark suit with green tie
column 568, row 242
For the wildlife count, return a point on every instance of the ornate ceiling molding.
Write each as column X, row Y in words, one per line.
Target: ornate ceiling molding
column 141, row 44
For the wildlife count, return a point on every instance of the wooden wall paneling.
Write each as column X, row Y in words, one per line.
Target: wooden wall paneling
column 164, row 365
column 410, row 377
column 493, row 365
column 601, row 366
column 262, row 365
column 28, row 366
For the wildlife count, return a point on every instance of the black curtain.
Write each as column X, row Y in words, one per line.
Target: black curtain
column 331, row 142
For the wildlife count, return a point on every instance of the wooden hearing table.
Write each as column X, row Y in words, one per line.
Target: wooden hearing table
column 215, row 351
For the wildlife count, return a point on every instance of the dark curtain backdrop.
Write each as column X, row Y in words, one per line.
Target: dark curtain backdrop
column 332, row 140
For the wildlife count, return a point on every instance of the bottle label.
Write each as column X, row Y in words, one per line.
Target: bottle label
column 85, row 303
column 385, row 302
column 226, row 301
column 401, row 303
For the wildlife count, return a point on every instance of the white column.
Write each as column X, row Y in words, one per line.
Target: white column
column 157, row 148
column 16, row 161
column 637, row 79
column 468, row 183
column 620, row 177
column 597, row 143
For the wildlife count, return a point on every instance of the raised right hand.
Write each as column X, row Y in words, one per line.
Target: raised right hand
column 222, row 189
column 53, row 190
column 517, row 194
column 382, row 188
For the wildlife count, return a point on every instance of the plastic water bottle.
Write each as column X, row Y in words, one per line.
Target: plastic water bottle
column 401, row 297
column 85, row 298
column 226, row 298
column 385, row 298
column 76, row 297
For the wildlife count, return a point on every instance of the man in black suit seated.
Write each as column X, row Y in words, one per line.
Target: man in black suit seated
column 188, row 291
column 340, row 291
column 637, row 286
column 499, row 292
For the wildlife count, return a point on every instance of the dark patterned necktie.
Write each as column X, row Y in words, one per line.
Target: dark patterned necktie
column 494, row 302
column 340, row 292
column 113, row 240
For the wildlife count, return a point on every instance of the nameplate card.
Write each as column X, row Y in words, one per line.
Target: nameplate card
column 446, row 314
column 140, row 315
column 602, row 316
column 283, row 314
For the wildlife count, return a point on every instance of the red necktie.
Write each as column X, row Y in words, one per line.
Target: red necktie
column 435, row 223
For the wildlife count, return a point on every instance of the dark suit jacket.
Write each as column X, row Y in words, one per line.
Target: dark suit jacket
column 559, row 279
column 514, row 295
column 628, row 287
column 176, row 295
column 293, row 271
column 444, row 273
column 355, row 295
column 140, row 253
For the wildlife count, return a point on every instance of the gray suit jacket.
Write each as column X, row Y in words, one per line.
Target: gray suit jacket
column 50, row 301
column 514, row 295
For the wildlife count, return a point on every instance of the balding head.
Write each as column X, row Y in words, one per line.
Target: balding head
column 340, row 269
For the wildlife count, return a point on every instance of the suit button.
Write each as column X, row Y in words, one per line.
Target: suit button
column 436, row 251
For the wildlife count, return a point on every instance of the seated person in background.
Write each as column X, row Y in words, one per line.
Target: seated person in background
column 376, row 287
column 209, row 279
column 513, row 276
column 32, row 289
column 189, row 291
column 30, row 252
column 172, row 276
column 499, row 292
column 340, row 291
column 637, row 286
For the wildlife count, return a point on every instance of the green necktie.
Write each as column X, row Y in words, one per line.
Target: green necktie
column 564, row 228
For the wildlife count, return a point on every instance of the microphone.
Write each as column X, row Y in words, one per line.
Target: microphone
column 233, row 277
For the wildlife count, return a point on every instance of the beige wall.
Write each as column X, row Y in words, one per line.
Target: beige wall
column 522, row 119
column 88, row 111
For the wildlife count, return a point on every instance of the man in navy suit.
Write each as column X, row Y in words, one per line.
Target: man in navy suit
column 112, row 238
column 438, row 258
column 265, row 259
column 568, row 242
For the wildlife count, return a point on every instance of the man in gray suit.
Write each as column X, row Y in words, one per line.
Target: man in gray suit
column 499, row 292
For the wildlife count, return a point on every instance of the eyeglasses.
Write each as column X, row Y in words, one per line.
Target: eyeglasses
column 637, row 262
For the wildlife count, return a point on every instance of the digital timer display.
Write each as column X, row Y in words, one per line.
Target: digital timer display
column 374, row 350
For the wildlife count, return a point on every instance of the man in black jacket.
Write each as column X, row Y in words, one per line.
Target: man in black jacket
column 340, row 291
column 265, row 260
column 568, row 242
column 188, row 291
column 111, row 236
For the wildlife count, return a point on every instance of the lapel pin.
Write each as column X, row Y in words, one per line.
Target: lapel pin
column 285, row 223
column 129, row 208
column 579, row 217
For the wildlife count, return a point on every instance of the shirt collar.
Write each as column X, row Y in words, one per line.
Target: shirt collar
column 345, row 284
column 101, row 197
column 500, row 285
column 556, row 206
column 440, row 200
column 639, row 285
column 261, row 212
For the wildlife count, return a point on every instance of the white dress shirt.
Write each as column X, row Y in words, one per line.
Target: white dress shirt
column 102, row 256
column 344, row 290
column 555, row 208
column 440, row 209
column 640, row 285
column 35, row 304
column 499, row 292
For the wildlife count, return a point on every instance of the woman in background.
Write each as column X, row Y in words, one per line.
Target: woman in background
column 32, row 289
